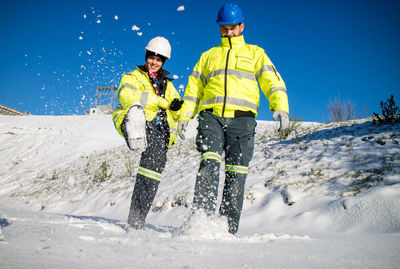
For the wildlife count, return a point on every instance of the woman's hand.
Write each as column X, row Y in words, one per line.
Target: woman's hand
column 176, row 104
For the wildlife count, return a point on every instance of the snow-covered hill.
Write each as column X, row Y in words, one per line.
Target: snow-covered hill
column 329, row 195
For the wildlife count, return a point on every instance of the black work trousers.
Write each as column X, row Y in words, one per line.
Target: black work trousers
column 235, row 137
column 152, row 163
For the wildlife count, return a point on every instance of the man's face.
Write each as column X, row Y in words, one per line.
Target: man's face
column 231, row 30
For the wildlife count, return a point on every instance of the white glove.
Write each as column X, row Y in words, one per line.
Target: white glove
column 181, row 128
column 283, row 118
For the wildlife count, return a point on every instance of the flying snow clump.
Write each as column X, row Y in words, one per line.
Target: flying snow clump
column 135, row 28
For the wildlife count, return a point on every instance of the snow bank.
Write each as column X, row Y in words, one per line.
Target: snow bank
column 324, row 177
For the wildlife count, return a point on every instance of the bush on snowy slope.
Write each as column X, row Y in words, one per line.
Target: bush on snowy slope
column 316, row 170
column 390, row 112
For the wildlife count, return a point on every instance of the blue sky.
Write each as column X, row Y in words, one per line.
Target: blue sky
column 54, row 54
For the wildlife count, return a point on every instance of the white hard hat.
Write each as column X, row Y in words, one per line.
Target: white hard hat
column 160, row 45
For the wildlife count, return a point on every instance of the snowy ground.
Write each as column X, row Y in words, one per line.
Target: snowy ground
column 327, row 197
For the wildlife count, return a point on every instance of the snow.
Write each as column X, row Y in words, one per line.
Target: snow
column 326, row 197
column 135, row 28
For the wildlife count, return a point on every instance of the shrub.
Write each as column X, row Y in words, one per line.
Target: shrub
column 102, row 174
column 294, row 124
column 340, row 110
column 389, row 112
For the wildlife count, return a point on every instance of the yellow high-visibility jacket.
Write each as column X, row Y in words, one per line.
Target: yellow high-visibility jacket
column 226, row 79
column 136, row 87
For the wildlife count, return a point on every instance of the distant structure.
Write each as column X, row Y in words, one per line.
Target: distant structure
column 10, row 111
column 105, row 100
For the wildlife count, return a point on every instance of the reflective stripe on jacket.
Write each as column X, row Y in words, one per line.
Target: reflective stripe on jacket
column 226, row 79
column 136, row 86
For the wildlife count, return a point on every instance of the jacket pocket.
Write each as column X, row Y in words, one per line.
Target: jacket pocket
column 212, row 63
column 244, row 64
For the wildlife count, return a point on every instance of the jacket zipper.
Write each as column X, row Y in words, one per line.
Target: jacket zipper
column 276, row 73
column 226, row 77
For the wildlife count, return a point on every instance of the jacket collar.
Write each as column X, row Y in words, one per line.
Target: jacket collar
column 235, row 41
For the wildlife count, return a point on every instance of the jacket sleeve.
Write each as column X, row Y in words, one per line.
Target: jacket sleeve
column 271, row 83
column 194, row 91
column 130, row 90
column 172, row 94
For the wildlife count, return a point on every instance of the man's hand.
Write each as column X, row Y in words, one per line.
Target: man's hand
column 181, row 128
column 283, row 118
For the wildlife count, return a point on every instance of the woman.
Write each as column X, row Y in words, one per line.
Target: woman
column 148, row 89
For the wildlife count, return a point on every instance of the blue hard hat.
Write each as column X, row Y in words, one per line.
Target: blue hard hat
column 230, row 14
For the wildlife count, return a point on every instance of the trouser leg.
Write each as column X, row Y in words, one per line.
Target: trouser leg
column 142, row 198
column 209, row 141
column 206, row 187
column 148, row 178
column 232, row 199
column 239, row 151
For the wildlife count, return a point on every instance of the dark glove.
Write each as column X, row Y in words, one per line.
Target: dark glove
column 176, row 104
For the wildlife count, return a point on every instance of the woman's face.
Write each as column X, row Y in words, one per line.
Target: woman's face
column 154, row 63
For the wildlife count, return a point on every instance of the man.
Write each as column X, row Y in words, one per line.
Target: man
column 224, row 88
